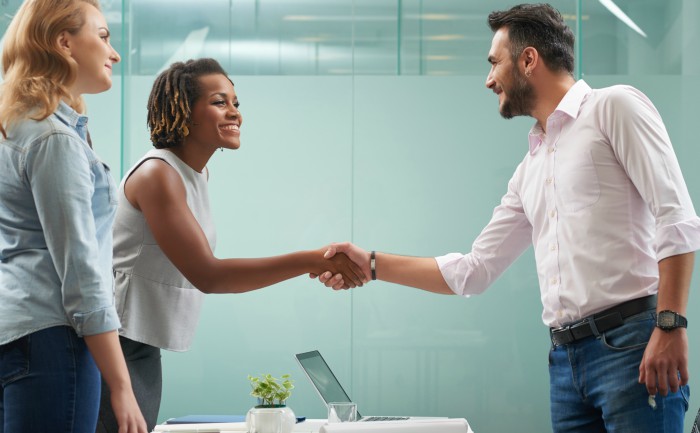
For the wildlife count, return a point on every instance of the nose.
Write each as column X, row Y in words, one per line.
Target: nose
column 235, row 114
column 489, row 80
column 114, row 56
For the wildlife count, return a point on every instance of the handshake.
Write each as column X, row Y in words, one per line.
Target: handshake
column 344, row 266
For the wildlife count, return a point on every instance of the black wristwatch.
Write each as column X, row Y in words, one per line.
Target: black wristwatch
column 669, row 320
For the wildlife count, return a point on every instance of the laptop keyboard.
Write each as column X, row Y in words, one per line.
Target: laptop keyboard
column 384, row 418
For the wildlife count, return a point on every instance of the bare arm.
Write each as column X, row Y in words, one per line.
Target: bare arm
column 157, row 191
column 108, row 356
column 666, row 355
column 419, row 272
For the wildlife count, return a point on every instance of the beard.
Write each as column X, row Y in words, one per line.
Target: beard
column 520, row 97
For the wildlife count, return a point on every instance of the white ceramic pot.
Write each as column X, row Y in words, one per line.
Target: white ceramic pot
column 270, row 419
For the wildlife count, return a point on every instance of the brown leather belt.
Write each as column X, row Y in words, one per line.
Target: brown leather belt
column 603, row 321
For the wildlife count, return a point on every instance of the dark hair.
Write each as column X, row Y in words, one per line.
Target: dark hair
column 539, row 26
column 173, row 94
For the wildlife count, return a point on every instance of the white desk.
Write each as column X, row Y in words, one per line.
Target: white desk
column 308, row 426
column 446, row 425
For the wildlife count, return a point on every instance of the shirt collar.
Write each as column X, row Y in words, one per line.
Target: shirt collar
column 569, row 105
column 72, row 118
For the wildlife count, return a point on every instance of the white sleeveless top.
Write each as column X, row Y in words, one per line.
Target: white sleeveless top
column 156, row 304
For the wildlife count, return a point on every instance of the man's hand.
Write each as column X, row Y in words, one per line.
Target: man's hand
column 665, row 359
column 359, row 256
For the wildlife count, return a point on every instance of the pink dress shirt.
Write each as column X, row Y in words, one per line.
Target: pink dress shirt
column 602, row 199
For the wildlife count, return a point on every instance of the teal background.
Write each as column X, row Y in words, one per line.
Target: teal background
column 368, row 121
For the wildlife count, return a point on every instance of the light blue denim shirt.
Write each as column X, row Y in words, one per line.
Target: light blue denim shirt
column 57, row 205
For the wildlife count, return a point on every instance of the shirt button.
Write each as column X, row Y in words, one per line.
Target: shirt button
column 552, row 213
column 553, row 280
column 550, row 149
column 552, row 247
column 549, row 180
column 560, row 314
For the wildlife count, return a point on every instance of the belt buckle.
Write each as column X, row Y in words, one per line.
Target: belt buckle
column 560, row 334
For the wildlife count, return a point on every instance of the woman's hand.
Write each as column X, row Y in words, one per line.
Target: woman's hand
column 345, row 273
column 127, row 412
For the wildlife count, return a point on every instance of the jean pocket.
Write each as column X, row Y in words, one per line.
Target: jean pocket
column 633, row 334
column 14, row 360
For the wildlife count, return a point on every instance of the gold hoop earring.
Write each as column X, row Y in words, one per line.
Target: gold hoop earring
column 185, row 130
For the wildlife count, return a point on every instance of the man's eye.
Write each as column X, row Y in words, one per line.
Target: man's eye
column 237, row 104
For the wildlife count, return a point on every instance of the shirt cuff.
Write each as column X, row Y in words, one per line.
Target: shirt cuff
column 96, row 322
column 679, row 238
column 449, row 265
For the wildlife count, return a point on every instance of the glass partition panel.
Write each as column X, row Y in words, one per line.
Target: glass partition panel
column 633, row 37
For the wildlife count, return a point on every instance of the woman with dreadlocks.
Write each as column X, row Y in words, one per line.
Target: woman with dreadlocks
column 164, row 237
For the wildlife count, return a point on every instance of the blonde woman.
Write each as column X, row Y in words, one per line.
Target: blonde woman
column 58, row 323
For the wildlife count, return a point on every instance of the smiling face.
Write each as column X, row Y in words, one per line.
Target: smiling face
column 516, row 95
column 215, row 120
column 91, row 49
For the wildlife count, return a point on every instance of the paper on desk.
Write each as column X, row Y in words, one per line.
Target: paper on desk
column 449, row 425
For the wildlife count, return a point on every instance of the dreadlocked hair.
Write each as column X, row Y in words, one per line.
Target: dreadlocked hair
column 173, row 94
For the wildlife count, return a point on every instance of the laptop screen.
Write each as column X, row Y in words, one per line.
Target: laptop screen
column 322, row 378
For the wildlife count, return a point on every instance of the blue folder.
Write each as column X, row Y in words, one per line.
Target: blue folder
column 204, row 419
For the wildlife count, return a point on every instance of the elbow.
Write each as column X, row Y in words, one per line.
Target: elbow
column 209, row 286
column 203, row 283
column 206, row 277
column 207, row 289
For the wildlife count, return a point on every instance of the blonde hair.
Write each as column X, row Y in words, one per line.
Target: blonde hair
column 37, row 72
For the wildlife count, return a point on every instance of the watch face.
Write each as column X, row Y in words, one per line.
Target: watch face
column 666, row 320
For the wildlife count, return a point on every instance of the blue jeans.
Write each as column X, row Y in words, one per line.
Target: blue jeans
column 50, row 383
column 594, row 388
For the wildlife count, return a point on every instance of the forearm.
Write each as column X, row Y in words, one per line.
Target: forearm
column 243, row 275
column 675, row 273
column 108, row 356
column 419, row 272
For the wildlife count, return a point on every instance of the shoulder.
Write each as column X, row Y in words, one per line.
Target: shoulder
column 154, row 170
column 30, row 132
column 153, row 181
column 620, row 96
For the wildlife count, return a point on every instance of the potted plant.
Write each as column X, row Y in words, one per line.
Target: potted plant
column 271, row 414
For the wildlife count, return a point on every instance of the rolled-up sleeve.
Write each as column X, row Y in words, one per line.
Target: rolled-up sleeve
column 642, row 145
column 63, row 184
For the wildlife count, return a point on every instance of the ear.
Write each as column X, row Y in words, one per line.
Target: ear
column 64, row 43
column 529, row 60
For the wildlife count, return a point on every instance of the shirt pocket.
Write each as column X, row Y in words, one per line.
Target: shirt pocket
column 576, row 181
column 104, row 183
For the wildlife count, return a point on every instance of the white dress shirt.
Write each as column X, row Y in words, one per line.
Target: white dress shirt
column 602, row 199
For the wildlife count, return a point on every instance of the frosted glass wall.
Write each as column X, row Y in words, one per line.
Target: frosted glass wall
column 368, row 120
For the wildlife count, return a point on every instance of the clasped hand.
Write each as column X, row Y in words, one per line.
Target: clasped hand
column 348, row 255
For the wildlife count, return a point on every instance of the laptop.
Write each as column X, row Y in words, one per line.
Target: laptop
column 328, row 386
